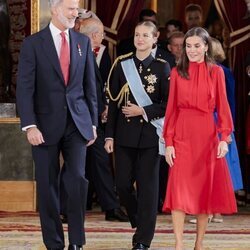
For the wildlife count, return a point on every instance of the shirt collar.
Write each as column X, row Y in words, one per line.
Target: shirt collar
column 55, row 31
column 146, row 62
column 153, row 51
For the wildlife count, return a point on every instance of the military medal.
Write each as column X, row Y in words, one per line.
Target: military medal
column 151, row 79
column 140, row 68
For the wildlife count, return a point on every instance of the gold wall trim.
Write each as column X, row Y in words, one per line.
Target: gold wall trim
column 125, row 13
column 110, row 40
column 9, row 120
column 117, row 14
column 239, row 31
column 240, row 40
column 93, row 6
column 35, row 6
column 110, row 30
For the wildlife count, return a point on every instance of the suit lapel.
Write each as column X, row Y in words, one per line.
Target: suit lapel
column 75, row 52
column 50, row 51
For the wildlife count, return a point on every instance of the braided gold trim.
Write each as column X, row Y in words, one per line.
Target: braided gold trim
column 124, row 92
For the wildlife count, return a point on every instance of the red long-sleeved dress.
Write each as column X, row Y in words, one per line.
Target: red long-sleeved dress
column 198, row 181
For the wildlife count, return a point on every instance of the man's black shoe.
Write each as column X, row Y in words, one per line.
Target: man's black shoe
column 75, row 247
column 116, row 215
column 51, row 248
column 134, row 239
column 139, row 246
column 64, row 219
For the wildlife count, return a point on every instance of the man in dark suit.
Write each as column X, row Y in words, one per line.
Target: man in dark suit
column 98, row 165
column 56, row 100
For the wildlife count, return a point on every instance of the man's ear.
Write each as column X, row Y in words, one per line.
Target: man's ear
column 169, row 47
column 158, row 34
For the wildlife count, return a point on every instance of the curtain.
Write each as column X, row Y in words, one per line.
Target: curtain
column 179, row 9
column 234, row 15
column 119, row 18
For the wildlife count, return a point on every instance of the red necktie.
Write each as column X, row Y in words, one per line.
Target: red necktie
column 96, row 51
column 64, row 58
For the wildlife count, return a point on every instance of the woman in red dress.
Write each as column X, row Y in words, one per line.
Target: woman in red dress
column 199, row 181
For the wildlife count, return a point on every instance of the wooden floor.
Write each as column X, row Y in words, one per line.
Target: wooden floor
column 22, row 231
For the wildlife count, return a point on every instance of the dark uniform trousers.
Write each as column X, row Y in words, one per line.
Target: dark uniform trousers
column 99, row 172
column 73, row 148
column 140, row 202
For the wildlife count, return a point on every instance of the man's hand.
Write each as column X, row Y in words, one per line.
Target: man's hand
column 104, row 115
column 95, row 136
column 109, row 146
column 34, row 136
column 132, row 110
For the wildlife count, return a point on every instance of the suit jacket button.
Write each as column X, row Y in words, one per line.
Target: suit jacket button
column 141, row 120
column 128, row 120
column 64, row 107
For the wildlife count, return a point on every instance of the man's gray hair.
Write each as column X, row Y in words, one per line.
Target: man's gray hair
column 53, row 3
column 90, row 25
column 84, row 13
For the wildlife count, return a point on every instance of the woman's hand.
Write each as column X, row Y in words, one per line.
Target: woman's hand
column 222, row 149
column 132, row 110
column 170, row 155
column 109, row 145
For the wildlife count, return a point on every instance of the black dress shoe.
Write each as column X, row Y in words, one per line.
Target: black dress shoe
column 139, row 246
column 116, row 215
column 51, row 248
column 64, row 219
column 75, row 247
column 134, row 239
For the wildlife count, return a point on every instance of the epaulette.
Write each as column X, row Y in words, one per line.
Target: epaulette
column 125, row 56
column 160, row 60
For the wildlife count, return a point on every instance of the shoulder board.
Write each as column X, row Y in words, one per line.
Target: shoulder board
column 121, row 57
column 125, row 56
column 160, row 60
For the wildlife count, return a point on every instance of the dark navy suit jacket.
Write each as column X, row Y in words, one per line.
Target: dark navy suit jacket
column 42, row 97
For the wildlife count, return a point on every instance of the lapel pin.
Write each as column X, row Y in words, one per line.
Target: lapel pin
column 79, row 49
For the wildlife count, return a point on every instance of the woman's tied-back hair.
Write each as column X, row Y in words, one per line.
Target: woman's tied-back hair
column 183, row 64
column 149, row 24
column 217, row 50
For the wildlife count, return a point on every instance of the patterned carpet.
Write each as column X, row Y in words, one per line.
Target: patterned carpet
column 21, row 231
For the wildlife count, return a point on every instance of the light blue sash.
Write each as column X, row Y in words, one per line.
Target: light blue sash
column 141, row 97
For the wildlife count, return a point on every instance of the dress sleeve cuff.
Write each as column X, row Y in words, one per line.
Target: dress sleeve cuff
column 168, row 141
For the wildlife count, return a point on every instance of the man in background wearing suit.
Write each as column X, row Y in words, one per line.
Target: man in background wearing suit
column 56, row 100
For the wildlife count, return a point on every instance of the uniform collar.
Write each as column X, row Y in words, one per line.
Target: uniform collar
column 146, row 62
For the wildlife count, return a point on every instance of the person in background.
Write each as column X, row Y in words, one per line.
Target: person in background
column 138, row 90
column 175, row 48
column 199, row 181
column 175, row 44
column 99, row 165
column 193, row 16
column 171, row 26
column 57, row 104
column 232, row 157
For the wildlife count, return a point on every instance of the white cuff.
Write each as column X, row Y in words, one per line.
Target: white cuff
column 27, row 127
